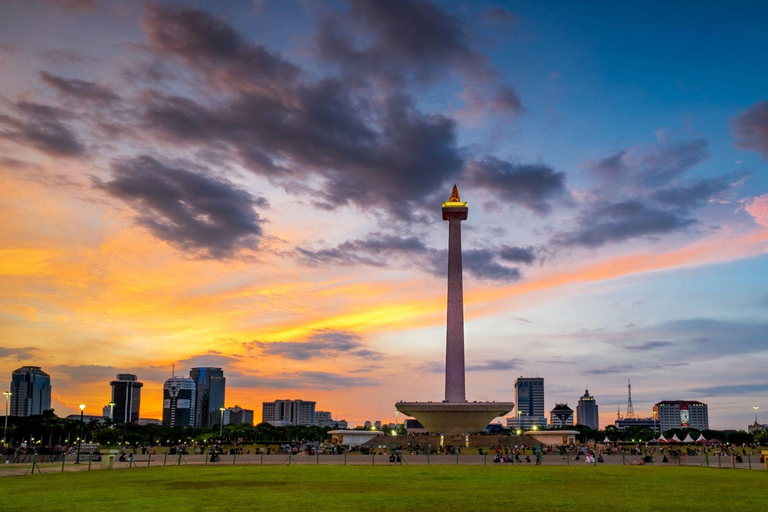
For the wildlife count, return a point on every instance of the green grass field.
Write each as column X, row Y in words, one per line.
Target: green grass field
column 339, row 488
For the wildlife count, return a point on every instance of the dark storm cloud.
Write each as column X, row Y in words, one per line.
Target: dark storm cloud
column 732, row 390
column 653, row 165
column 103, row 374
column 608, row 370
column 17, row 353
column 524, row 255
column 214, row 47
column 397, row 41
column 394, row 162
column 648, row 345
column 41, row 127
column 299, row 380
column 488, row 365
column 696, row 194
column 403, row 36
column 499, row 15
column 482, row 264
column 750, row 129
column 534, row 186
column 79, row 89
column 376, row 249
column 85, row 372
column 617, row 222
column 202, row 214
column 212, row 359
column 322, row 343
column 495, row 364
column 384, row 250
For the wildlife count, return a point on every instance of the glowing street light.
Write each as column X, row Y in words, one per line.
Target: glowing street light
column 221, row 427
column 7, row 397
column 79, row 436
column 755, row 408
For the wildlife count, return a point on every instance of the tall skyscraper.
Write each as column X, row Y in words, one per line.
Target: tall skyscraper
column 179, row 402
column 30, row 391
column 126, row 395
column 209, row 395
column 586, row 412
column 288, row 412
column 529, row 397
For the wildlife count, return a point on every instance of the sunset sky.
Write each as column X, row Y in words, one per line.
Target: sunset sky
column 256, row 185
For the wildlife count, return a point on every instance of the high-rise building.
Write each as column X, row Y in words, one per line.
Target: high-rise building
column 209, row 399
column 288, row 412
column 179, row 402
column 126, row 395
column 529, row 397
column 586, row 412
column 681, row 414
column 561, row 416
column 30, row 391
column 237, row 416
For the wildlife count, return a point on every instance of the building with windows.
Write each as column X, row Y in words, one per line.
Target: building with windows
column 681, row 414
column 126, row 395
column 324, row 419
column 210, row 385
column 30, row 391
column 625, row 423
column 237, row 416
column 561, row 416
column 529, row 397
column 179, row 402
column 288, row 412
column 586, row 412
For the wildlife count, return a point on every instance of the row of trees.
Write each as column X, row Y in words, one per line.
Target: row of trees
column 50, row 430
column 644, row 435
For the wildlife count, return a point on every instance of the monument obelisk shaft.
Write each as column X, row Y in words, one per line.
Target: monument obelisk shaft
column 454, row 415
column 454, row 211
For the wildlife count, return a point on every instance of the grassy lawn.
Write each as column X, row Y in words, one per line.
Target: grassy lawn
column 337, row 488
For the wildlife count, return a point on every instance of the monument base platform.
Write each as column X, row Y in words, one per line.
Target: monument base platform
column 451, row 418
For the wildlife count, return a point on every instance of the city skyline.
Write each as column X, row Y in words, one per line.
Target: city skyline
column 256, row 186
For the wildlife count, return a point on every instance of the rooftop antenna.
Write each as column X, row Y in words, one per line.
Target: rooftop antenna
column 618, row 413
column 630, row 409
column 173, row 370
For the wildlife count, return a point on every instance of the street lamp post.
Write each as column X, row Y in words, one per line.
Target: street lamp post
column 654, row 422
column 755, row 408
column 80, row 433
column 5, row 430
column 112, row 413
column 519, row 413
column 221, row 426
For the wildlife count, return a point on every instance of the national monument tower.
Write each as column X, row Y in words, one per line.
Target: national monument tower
column 454, row 415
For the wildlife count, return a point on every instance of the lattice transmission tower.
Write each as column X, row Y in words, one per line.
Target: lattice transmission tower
column 630, row 409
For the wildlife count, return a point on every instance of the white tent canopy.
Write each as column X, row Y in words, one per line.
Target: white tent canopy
column 606, row 440
column 701, row 439
column 688, row 439
column 662, row 439
column 676, row 439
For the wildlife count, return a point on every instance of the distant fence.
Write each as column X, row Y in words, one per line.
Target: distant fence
column 40, row 464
